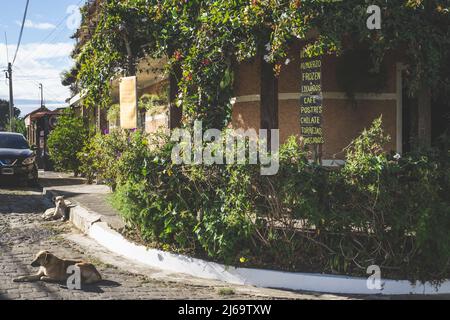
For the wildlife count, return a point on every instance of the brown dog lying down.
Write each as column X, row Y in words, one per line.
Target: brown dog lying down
column 53, row 269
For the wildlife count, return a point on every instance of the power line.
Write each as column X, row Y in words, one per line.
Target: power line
column 6, row 47
column 36, row 50
column 53, row 95
column 9, row 72
column 21, row 30
column 50, row 93
column 40, row 78
column 58, row 25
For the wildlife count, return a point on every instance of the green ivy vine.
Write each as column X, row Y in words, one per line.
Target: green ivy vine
column 206, row 38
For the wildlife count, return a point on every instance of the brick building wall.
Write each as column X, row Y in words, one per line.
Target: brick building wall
column 343, row 119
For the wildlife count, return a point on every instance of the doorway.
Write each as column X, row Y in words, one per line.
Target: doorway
column 440, row 120
column 410, row 122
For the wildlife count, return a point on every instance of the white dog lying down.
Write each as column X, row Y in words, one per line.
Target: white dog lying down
column 60, row 212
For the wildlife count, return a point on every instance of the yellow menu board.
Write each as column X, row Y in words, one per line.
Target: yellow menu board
column 128, row 103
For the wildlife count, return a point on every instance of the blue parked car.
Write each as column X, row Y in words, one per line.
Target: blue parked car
column 17, row 159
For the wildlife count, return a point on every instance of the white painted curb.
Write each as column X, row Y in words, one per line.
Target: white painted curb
column 115, row 242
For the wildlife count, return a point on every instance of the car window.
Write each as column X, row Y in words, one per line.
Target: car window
column 13, row 142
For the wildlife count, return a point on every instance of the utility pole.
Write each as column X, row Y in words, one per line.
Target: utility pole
column 11, row 97
column 41, row 87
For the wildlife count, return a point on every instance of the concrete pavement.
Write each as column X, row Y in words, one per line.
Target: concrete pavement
column 93, row 198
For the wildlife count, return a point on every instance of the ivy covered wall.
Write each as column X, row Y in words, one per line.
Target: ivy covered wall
column 206, row 37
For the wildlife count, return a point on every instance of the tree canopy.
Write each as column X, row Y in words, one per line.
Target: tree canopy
column 4, row 114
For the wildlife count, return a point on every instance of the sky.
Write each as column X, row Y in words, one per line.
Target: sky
column 44, row 52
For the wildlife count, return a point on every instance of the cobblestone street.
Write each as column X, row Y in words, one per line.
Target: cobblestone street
column 23, row 234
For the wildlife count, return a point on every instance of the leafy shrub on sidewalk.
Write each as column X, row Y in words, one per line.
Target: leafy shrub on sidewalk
column 402, row 204
column 190, row 208
column 66, row 140
column 379, row 209
column 99, row 156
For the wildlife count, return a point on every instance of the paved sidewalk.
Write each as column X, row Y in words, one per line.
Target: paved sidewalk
column 93, row 198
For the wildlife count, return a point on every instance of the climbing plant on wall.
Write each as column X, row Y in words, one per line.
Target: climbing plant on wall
column 206, row 37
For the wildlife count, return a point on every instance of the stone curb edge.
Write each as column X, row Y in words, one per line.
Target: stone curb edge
column 90, row 223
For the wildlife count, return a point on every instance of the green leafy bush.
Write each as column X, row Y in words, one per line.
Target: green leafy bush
column 401, row 204
column 66, row 141
column 150, row 194
column 182, row 207
column 154, row 103
column 99, row 156
column 378, row 209
column 113, row 114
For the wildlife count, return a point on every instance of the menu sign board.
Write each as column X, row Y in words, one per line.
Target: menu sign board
column 311, row 100
column 128, row 103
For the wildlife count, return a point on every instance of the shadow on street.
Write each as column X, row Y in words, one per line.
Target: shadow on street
column 18, row 186
column 96, row 288
column 59, row 182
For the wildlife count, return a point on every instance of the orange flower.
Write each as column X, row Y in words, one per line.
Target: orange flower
column 277, row 69
column 177, row 55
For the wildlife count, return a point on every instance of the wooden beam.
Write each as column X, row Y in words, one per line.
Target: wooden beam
column 424, row 118
column 175, row 112
column 269, row 97
column 102, row 119
column 399, row 108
